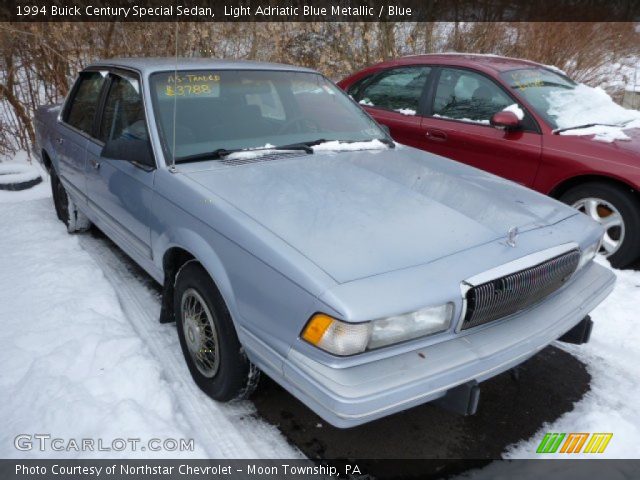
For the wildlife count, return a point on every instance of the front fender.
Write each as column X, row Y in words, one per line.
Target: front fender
column 200, row 249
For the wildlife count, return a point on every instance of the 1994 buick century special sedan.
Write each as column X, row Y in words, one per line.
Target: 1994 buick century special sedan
column 292, row 236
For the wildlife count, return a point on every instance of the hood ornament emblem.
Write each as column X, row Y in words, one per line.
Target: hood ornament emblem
column 512, row 236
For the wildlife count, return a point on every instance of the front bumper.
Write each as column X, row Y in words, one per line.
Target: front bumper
column 350, row 396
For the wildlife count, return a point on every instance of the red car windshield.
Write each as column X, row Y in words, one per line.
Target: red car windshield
column 536, row 86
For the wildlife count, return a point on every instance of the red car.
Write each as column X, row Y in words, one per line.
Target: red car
column 498, row 114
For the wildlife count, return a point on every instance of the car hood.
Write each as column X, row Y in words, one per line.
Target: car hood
column 625, row 152
column 362, row 213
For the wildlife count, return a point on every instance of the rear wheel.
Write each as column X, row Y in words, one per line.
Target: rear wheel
column 66, row 210
column 208, row 338
column 618, row 211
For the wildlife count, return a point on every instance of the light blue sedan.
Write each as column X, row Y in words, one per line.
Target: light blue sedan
column 292, row 236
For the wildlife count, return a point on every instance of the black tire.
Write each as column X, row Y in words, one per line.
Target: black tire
column 626, row 202
column 235, row 376
column 17, row 186
column 12, row 178
column 60, row 198
column 66, row 210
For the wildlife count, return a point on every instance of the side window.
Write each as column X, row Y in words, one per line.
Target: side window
column 123, row 119
column 83, row 106
column 398, row 89
column 123, row 115
column 468, row 96
column 354, row 89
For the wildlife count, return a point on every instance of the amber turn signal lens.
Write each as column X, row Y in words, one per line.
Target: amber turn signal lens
column 316, row 328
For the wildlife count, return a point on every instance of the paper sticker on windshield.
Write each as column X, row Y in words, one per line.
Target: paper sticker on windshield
column 527, row 79
column 191, row 84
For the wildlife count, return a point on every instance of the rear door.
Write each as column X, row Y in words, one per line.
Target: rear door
column 120, row 191
column 456, row 125
column 75, row 129
column 395, row 97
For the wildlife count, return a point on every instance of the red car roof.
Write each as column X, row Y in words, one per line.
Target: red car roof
column 493, row 62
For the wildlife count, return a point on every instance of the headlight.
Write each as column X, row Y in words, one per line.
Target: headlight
column 342, row 338
column 589, row 253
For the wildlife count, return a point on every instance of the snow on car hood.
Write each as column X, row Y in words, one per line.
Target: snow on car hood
column 585, row 105
column 361, row 213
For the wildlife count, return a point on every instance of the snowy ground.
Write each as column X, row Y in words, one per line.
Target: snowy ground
column 84, row 356
column 613, row 360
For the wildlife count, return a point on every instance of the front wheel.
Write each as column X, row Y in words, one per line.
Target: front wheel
column 208, row 338
column 618, row 211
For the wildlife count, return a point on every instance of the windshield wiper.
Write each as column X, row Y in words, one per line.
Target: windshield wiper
column 223, row 152
column 303, row 146
column 387, row 141
column 586, row 125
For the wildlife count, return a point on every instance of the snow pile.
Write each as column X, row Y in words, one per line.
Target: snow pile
column 613, row 359
column 338, row 146
column 18, row 170
column 14, row 172
column 514, row 109
column 585, row 105
column 81, row 359
column 406, row 111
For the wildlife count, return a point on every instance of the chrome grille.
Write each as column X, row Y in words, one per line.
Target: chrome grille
column 509, row 294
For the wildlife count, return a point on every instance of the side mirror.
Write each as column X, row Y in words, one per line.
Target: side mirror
column 505, row 121
column 129, row 150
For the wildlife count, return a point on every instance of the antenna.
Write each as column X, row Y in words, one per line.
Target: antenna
column 175, row 105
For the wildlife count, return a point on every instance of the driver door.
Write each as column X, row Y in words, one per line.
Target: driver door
column 458, row 127
column 120, row 191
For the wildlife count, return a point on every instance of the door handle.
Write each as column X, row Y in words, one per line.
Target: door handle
column 95, row 164
column 59, row 140
column 436, row 135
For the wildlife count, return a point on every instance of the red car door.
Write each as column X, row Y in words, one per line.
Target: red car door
column 456, row 125
column 394, row 97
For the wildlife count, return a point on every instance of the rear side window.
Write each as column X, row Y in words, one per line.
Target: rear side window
column 397, row 89
column 84, row 103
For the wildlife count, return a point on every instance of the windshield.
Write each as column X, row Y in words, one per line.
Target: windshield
column 246, row 109
column 537, row 85
column 569, row 106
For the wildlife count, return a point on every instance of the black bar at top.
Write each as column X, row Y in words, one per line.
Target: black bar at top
column 320, row 11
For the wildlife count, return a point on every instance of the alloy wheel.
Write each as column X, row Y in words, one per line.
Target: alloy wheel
column 609, row 217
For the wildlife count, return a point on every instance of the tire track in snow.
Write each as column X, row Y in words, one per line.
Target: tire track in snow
column 227, row 430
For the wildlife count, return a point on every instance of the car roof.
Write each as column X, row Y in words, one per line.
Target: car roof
column 495, row 63
column 148, row 65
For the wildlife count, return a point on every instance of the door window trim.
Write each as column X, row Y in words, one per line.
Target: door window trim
column 434, row 86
